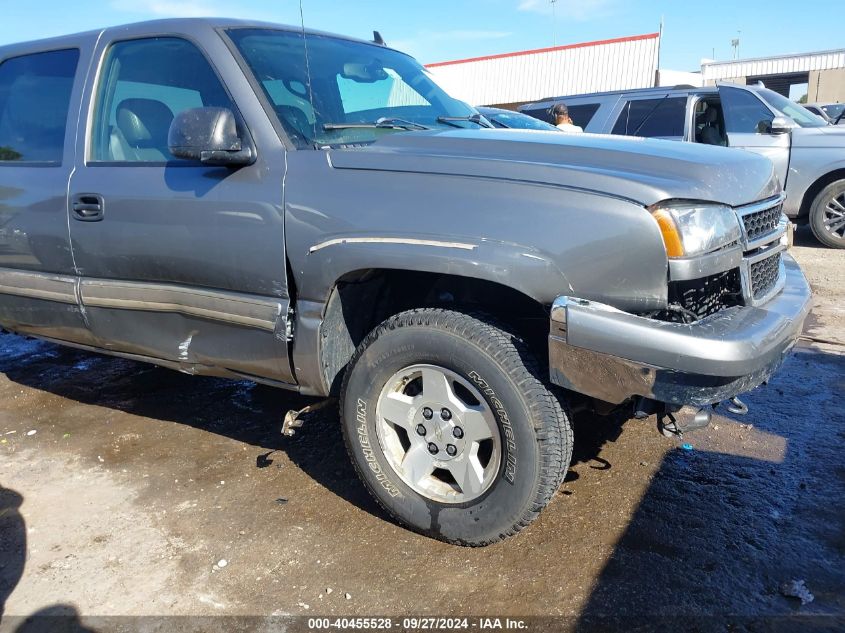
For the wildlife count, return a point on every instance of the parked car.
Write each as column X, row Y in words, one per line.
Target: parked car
column 216, row 197
column 809, row 155
column 833, row 113
column 502, row 118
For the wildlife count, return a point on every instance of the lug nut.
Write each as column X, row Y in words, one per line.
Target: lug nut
column 458, row 432
column 432, row 448
column 445, row 414
column 451, row 449
column 428, row 413
column 421, row 430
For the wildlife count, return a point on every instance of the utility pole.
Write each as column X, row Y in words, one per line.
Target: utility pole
column 554, row 22
column 735, row 44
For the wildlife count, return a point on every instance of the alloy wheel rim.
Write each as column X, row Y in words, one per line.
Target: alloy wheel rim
column 834, row 216
column 438, row 434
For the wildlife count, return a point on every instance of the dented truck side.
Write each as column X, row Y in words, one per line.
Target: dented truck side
column 456, row 288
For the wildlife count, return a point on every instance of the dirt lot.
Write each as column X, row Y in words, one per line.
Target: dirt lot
column 124, row 487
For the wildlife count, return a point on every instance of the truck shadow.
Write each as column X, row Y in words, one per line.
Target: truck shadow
column 243, row 411
column 723, row 531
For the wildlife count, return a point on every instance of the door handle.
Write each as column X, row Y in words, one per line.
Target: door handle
column 88, row 207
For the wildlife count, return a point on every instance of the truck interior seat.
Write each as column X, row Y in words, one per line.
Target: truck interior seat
column 711, row 133
column 142, row 127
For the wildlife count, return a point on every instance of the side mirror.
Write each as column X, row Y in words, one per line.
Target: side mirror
column 209, row 135
column 781, row 125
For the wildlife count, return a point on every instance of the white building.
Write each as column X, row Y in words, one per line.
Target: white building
column 514, row 78
column 823, row 72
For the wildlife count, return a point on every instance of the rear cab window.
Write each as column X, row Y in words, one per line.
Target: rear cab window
column 659, row 117
column 35, row 93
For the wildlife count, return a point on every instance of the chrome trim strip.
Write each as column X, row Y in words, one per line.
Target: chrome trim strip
column 763, row 254
column 391, row 240
column 219, row 306
column 760, row 205
column 705, row 265
column 37, row 285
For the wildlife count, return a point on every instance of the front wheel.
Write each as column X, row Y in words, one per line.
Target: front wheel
column 452, row 428
column 827, row 215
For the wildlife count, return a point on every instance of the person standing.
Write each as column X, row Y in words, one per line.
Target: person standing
column 563, row 121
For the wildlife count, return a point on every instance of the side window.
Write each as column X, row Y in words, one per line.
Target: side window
column 581, row 115
column 540, row 113
column 744, row 112
column 144, row 84
column 662, row 117
column 34, row 103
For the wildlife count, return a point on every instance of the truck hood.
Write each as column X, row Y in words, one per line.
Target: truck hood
column 645, row 171
column 828, row 136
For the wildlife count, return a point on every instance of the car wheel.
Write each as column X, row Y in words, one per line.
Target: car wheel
column 452, row 427
column 827, row 215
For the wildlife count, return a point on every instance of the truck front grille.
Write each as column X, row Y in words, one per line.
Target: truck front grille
column 763, row 275
column 762, row 270
column 761, row 223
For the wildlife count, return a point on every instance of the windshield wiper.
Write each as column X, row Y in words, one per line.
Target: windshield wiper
column 840, row 117
column 383, row 122
column 472, row 118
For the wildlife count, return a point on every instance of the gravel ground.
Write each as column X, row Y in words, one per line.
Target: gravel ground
column 127, row 489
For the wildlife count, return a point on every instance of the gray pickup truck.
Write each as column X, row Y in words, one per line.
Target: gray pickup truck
column 312, row 212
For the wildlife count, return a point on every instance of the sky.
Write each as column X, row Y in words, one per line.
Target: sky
column 441, row 30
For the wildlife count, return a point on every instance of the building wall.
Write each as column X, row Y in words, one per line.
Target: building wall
column 671, row 78
column 618, row 64
column 730, row 80
column 827, row 86
column 781, row 65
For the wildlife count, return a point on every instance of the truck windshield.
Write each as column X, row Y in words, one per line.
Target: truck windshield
column 328, row 91
column 794, row 111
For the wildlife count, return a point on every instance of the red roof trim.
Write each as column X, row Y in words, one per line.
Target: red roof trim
column 616, row 40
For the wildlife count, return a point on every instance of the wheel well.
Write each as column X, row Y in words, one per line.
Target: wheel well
column 814, row 189
column 359, row 301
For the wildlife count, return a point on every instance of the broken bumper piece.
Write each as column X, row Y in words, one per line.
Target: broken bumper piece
column 602, row 352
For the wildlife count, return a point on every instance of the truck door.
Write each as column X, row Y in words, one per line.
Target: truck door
column 39, row 105
column 748, row 123
column 179, row 260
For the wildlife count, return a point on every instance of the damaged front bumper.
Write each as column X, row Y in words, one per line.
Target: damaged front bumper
column 604, row 353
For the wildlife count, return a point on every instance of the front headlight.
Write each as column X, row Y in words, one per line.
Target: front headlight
column 690, row 229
